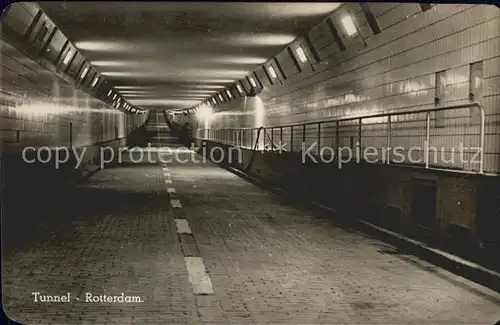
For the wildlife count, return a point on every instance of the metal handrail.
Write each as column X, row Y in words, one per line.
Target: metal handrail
column 389, row 116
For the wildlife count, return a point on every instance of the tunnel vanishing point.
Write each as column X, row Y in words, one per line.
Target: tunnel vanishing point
column 250, row 163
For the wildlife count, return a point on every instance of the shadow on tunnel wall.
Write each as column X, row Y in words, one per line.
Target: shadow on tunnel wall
column 39, row 190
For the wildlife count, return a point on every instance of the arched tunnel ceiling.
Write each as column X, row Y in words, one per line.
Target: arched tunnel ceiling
column 174, row 55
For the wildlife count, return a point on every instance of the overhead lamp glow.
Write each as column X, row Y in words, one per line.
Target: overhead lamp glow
column 207, row 86
column 215, row 80
column 113, row 46
column 114, row 97
column 301, row 54
column 240, row 90
column 213, row 100
column 349, row 26
column 133, row 92
column 252, row 82
column 96, row 80
column 110, row 92
column 259, row 39
column 239, row 60
column 100, row 63
column 272, row 72
column 194, row 91
column 221, row 98
column 68, row 56
column 84, row 72
column 228, row 92
column 155, row 101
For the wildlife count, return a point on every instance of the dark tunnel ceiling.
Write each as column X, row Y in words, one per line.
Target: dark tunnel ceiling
column 174, row 55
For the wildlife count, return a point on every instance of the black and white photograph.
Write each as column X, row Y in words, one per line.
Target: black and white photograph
column 250, row 163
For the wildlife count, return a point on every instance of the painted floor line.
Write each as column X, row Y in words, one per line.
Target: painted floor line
column 198, row 277
column 166, row 174
column 171, row 190
column 168, row 181
column 175, row 203
column 183, row 226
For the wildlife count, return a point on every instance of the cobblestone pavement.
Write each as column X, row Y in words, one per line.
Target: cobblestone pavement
column 267, row 260
column 119, row 237
column 271, row 261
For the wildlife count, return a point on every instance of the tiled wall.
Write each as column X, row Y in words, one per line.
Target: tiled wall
column 416, row 56
column 39, row 107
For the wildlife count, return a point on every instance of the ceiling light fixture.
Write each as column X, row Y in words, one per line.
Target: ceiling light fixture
column 96, row 80
column 301, row 54
column 252, row 82
column 272, row 72
column 84, row 72
column 68, row 56
column 349, row 26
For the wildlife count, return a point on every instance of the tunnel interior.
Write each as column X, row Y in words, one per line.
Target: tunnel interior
column 257, row 163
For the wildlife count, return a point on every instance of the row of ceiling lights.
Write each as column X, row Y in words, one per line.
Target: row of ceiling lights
column 271, row 71
column 350, row 29
column 116, row 100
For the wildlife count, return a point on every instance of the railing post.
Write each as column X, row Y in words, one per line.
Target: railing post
column 319, row 137
column 251, row 139
column 291, row 138
column 337, row 135
column 389, row 131
column 360, row 125
column 71, row 135
column 427, row 138
column 281, row 138
column 482, row 136
column 272, row 138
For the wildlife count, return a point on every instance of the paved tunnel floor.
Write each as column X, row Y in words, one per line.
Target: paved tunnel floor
column 267, row 260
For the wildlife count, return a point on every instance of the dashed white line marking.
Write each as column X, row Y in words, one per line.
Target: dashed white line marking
column 165, row 169
column 183, row 226
column 171, row 190
column 166, row 174
column 175, row 203
column 168, row 181
column 198, row 277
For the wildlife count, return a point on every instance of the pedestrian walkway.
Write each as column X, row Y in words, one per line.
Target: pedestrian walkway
column 191, row 243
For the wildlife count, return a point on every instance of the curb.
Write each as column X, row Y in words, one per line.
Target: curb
column 444, row 260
